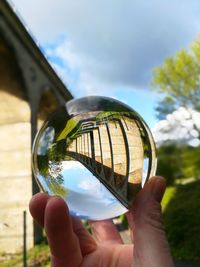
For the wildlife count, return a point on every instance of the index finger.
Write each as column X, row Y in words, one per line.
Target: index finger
column 63, row 242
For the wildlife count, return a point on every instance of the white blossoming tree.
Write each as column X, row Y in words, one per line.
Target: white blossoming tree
column 181, row 126
column 178, row 142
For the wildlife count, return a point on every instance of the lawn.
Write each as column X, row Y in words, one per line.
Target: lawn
column 37, row 256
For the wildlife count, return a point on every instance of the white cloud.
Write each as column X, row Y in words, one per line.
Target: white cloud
column 95, row 189
column 91, row 184
column 113, row 42
column 70, row 164
column 65, row 52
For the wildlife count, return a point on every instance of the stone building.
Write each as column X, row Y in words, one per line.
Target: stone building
column 29, row 90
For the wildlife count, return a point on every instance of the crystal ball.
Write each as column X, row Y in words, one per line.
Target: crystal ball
column 96, row 153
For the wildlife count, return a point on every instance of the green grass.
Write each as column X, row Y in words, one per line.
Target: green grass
column 39, row 256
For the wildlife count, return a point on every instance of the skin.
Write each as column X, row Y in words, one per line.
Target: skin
column 72, row 246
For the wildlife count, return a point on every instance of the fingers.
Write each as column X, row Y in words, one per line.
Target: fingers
column 86, row 241
column 62, row 240
column 150, row 243
column 105, row 231
column 152, row 192
column 37, row 207
column 148, row 200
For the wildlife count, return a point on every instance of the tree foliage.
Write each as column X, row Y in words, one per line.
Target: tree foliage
column 178, row 161
column 178, row 79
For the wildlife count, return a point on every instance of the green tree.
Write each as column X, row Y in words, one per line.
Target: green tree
column 178, row 161
column 170, row 162
column 178, row 79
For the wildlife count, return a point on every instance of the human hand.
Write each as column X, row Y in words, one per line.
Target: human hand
column 72, row 246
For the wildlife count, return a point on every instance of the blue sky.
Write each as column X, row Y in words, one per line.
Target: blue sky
column 110, row 47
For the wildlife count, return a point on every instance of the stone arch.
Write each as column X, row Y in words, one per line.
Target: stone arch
column 12, row 88
column 48, row 104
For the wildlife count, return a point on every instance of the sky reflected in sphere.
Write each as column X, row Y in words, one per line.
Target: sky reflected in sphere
column 96, row 153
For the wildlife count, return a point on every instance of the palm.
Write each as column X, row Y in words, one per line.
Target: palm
column 105, row 248
column 107, row 255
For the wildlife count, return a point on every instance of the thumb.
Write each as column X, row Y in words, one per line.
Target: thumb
column 150, row 244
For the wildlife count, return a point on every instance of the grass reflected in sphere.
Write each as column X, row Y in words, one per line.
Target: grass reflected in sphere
column 96, row 153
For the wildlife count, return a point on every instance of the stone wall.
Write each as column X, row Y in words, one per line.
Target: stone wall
column 15, row 155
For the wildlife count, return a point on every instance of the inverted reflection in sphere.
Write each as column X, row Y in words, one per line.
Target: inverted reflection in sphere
column 96, row 153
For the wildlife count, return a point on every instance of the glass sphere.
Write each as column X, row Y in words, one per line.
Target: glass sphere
column 96, row 153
